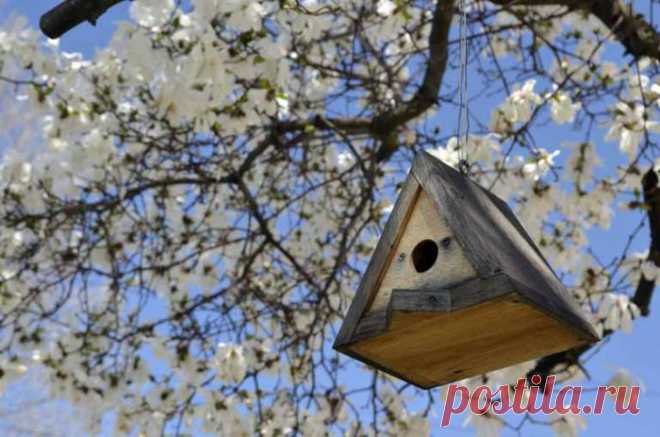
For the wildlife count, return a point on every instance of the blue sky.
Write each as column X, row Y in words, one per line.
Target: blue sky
column 638, row 352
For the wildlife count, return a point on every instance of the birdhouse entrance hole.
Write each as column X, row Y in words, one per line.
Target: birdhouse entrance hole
column 424, row 255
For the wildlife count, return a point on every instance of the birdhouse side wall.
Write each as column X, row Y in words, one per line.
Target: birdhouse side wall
column 425, row 226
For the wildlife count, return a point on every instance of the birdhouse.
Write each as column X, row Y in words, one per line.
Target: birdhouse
column 456, row 287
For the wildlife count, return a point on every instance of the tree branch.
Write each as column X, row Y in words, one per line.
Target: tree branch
column 638, row 36
column 384, row 126
column 645, row 287
column 427, row 93
column 70, row 13
column 643, row 294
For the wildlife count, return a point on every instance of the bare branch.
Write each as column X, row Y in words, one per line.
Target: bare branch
column 67, row 15
column 639, row 37
column 642, row 298
column 644, row 292
column 384, row 126
column 427, row 92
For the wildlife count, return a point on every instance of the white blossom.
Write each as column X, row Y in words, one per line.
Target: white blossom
column 151, row 13
column 628, row 127
column 622, row 378
column 540, row 164
column 186, row 212
column 385, row 7
column 230, row 362
column 517, row 108
column 562, row 108
column 618, row 312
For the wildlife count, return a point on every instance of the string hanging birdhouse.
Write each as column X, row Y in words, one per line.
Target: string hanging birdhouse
column 456, row 287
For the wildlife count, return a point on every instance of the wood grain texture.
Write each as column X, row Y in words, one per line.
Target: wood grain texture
column 419, row 382
column 421, row 300
column 453, row 298
column 372, row 325
column 494, row 241
column 508, row 213
column 379, row 260
column 435, row 348
column 451, row 267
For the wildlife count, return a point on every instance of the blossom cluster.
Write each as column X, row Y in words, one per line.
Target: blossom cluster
column 185, row 214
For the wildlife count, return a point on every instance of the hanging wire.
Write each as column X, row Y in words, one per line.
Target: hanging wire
column 463, row 114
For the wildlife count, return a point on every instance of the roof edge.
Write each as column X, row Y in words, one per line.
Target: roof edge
column 380, row 259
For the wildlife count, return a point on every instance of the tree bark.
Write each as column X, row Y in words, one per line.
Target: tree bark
column 70, row 13
column 643, row 294
column 638, row 36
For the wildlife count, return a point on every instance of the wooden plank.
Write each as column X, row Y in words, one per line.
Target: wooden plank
column 421, row 300
column 508, row 213
column 419, row 382
column 457, row 297
column 371, row 325
column 577, row 321
column 379, row 260
column 443, row 347
column 450, row 267
column 480, row 290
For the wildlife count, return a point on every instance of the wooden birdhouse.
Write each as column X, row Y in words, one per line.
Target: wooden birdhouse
column 456, row 287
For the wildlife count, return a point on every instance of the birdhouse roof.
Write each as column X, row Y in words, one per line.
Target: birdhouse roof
column 492, row 239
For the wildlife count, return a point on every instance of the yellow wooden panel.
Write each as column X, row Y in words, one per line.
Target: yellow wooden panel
column 433, row 348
